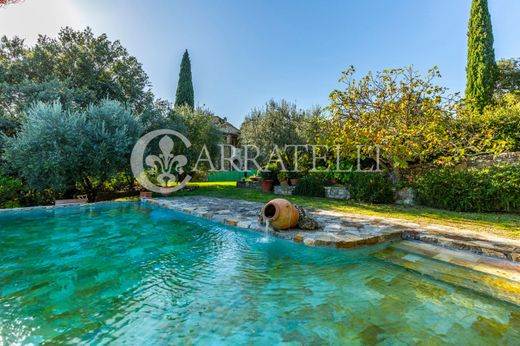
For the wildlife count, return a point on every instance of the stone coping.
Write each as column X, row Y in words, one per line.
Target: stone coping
column 338, row 229
column 343, row 230
column 61, row 206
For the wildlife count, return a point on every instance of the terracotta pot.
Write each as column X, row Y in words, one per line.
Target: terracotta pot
column 267, row 185
column 293, row 181
column 281, row 214
column 145, row 194
column 284, row 183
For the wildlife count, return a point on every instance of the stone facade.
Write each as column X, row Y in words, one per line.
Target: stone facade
column 337, row 192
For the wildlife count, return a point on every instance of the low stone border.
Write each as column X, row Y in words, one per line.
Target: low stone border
column 60, row 206
column 334, row 192
column 284, row 190
column 248, row 184
column 342, row 230
column 337, row 192
column 334, row 233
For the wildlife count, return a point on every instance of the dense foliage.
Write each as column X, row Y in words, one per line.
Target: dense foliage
column 270, row 172
column 281, row 123
column 508, row 77
column 77, row 68
column 198, row 125
column 481, row 67
column 311, row 185
column 503, row 121
column 63, row 150
column 492, row 189
column 79, row 102
column 184, row 95
column 371, row 187
column 10, row 191
column 405, row 114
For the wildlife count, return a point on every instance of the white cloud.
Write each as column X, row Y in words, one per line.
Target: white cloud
column 29, row 18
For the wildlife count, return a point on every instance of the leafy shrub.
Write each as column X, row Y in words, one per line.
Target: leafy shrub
column 504, row 119
column 493, row 189
column 32, row 197
column 58, row 149
column 343, row 173
column 283, row 176
column 310, row 185
column 371, row 187
column 270, row 172
column 10, row 191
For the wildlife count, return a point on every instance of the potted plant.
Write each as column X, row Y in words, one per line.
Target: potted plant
column 283, row 178
column 145, row 194
column 293, row 178
column 268, row 176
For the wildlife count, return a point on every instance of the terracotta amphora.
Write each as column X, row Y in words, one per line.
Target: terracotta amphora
column 281, row 214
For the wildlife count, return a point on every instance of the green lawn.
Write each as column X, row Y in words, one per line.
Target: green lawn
column 503, row 224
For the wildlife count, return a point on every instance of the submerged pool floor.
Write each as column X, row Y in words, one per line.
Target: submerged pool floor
column 130, row 273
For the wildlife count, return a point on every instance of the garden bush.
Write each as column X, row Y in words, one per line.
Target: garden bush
column 63, row 150
column 10, row 191
column 371, row 187
column 494, row 189
column 270, row 172
column 310, row 185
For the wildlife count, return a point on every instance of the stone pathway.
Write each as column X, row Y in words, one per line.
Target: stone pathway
column 342, row 230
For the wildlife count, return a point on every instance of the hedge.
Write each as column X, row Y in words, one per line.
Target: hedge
column 371, row 187
column 494, row 189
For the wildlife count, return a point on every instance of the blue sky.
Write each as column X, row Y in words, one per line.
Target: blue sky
column 245, row 52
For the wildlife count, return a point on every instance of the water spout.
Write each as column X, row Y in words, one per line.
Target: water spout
column 266, row 238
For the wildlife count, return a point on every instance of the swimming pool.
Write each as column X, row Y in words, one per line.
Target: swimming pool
column 138, row 274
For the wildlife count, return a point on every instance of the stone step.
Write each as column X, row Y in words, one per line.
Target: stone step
column 481, row 244
column 481, row 275
column 488, row 265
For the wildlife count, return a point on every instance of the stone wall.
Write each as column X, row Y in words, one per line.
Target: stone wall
column 248, row 184
column 488, row 160
column 284, row 190
column 337, row 192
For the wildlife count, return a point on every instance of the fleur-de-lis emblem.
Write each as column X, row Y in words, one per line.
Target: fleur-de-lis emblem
column 166, row 161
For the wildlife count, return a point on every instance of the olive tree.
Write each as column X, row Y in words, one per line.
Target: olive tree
column 76, row 68
column 281, row 123
column 65, row 150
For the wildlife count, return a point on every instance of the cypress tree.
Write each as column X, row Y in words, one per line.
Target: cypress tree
column 184, row 94
column 481, row 69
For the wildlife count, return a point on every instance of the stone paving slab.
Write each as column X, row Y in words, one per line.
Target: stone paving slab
column 334, row 232
column 342, row 230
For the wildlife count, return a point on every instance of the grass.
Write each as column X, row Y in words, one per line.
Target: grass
column 501, row 224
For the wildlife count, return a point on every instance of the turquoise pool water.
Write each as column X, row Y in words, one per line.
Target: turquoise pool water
column 135, row 274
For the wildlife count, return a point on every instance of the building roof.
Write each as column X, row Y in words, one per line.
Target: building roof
column 226, row 127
